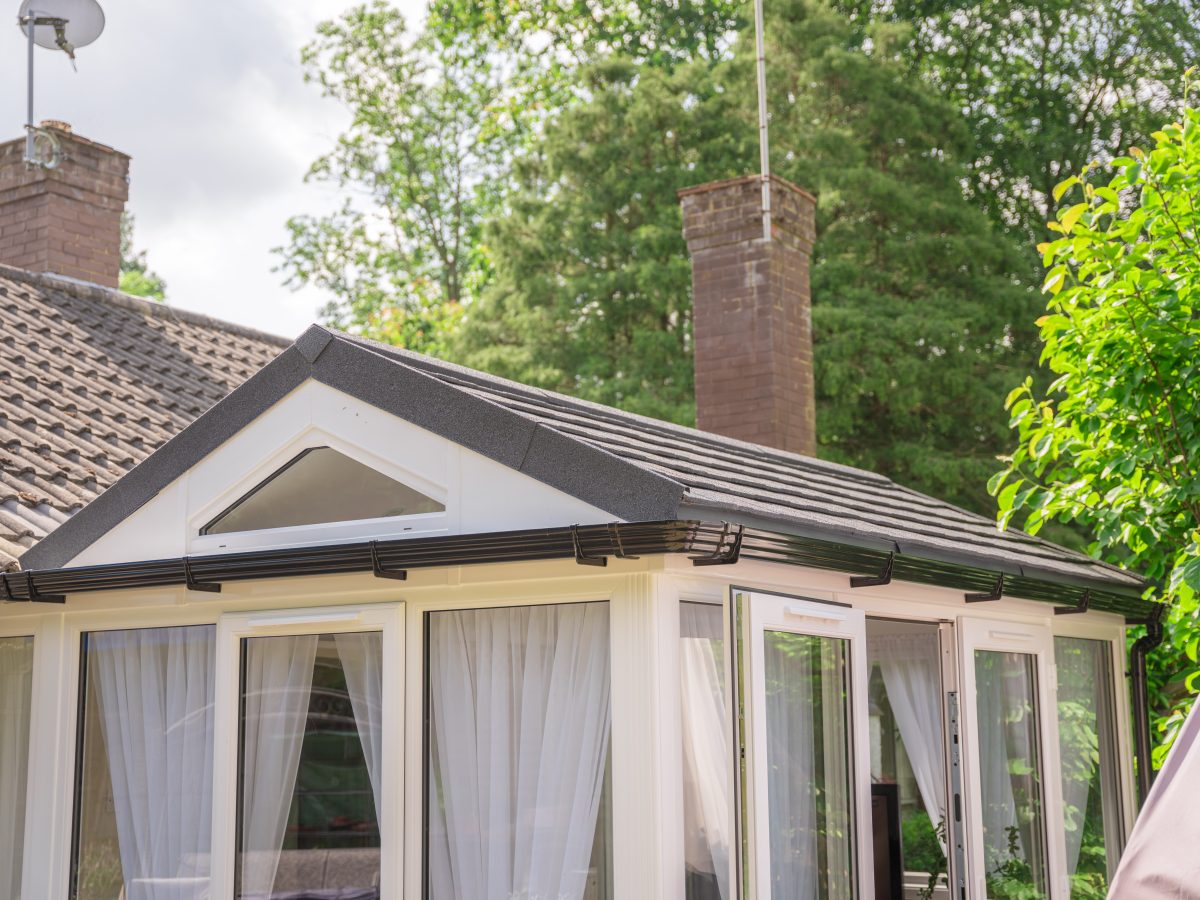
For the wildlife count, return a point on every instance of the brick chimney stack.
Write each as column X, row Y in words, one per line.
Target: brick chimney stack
column 752, row 311
column 65, row 220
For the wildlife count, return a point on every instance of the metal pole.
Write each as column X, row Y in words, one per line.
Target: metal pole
column 764, row 157
column 30, row 26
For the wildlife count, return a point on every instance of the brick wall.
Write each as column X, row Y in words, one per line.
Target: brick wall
column 65, row 220
column 752, row 317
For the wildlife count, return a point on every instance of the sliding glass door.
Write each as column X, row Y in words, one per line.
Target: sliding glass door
column 802, row 683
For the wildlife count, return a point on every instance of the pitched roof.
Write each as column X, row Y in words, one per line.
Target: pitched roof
column 636, row 468
column 91, row 382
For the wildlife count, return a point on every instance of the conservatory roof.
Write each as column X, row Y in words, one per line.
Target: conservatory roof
column 635, row 468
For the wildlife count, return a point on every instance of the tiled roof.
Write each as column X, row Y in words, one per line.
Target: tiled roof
column 726, row 478
column 91, row 382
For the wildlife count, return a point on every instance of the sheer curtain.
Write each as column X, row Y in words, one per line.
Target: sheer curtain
column 361, row 654
column 808, row 769
column 707, row 753
column 1084, row 694
column 16, row 682
column 519, row 728
column 909, row 664
column 278, row 682
column 155, row 693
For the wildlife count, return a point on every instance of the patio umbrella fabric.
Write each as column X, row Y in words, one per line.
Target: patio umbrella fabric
column 1161, row 860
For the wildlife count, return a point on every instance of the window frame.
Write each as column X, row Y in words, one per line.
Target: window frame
column 232, row 629
column 758, row 612
column 35, row 627
column 1034, row 638
column 1111, row 633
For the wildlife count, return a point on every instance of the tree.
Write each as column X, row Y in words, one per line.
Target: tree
column 1046, row 85
column 592, row 288
column 136, row 278
column 421, row 165
column 1114, row 443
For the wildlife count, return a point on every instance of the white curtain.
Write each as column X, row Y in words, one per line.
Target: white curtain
column 910, row 666
column 154, row 689
column 519, row 728
column 362, row 661
column 16, row 681
column 278, row 682
column 807, row 749
column 707, row 753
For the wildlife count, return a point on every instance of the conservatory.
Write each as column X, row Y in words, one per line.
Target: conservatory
column 376, row 626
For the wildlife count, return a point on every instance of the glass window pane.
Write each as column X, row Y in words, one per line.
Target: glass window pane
column 707, row 753
column 809, row 775
column 1014, row 831
column 322, row 485
column 16, row 685
column 518, row 702
column 145, row 767
column 1090, row 775
column 907, row 740
column 311, row 756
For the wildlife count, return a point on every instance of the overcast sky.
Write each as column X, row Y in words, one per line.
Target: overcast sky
column 209, row 101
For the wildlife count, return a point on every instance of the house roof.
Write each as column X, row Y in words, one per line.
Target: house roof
column 636, row 468
column 92, row 381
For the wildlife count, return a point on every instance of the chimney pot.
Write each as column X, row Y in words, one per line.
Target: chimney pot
column 65, row 220
column 752, row 311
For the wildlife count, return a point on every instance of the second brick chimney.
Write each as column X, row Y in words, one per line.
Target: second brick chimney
column 64, row 220
column 752, row 312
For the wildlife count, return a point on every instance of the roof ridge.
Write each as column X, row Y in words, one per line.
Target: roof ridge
column 611, row 413
column 90, row 291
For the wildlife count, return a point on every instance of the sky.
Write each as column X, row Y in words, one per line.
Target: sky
column 209, row 100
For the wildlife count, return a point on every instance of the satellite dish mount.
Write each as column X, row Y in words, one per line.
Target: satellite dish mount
column 57, row 25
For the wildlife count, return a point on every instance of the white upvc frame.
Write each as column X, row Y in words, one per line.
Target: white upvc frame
column 40, row 628
column 1112, row 633
column 1033, row 639
column 232, row 629
column 762, row 612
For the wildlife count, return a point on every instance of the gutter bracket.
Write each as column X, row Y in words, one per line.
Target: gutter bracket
column 41, row 598
column 614, row 531
column 995, row 594
column 582, row 558
column 210, row 587
column 1081, row 607
column 379, row 571
column 884, row 577
column 721, row 557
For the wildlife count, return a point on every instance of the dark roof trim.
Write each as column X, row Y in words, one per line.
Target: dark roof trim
column 594, row 476
column 913, row 545
column 707, row 543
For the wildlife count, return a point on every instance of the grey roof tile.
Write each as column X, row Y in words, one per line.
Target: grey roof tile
column 91, row 382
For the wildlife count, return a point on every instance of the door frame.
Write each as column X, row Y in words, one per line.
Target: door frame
column 758, row 612
column 1034, row 639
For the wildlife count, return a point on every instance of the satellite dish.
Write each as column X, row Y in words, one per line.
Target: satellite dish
column 62, row 24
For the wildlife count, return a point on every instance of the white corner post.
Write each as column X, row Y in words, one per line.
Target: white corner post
column 647, row 752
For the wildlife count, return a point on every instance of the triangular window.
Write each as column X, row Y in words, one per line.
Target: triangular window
column 321, row 485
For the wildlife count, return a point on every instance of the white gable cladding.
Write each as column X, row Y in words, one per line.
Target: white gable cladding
column 480, row 494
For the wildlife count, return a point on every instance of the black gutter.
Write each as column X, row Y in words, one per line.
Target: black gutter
column 709, row 543
column 1139, row 687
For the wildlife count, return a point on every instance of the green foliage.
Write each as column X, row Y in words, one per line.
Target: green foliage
column 420, row 167
column 922, row 845
column 1114, row 443
column 1047, row 85
column 136, row 278
column 592, row 287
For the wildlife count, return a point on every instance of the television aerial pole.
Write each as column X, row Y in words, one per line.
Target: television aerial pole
column 764, row 157
column 62, row 25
